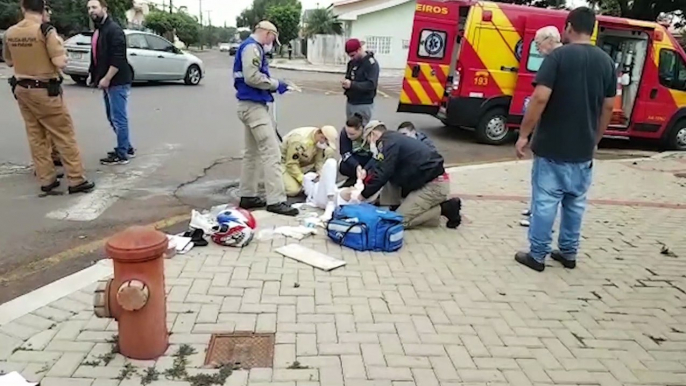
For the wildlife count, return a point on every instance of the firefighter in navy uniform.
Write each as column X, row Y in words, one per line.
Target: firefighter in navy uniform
column 412, row 176
column 254, row 88
column 37, row 54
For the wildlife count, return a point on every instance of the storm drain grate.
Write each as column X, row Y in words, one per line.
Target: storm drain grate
column 246, row 350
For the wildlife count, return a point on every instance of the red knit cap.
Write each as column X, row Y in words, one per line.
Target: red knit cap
column 352, row 45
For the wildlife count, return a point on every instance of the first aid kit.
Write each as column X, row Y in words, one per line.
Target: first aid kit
column 365, row 227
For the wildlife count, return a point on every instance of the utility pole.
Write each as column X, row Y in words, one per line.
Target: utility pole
column 171, row 6
column 209, row 18
column 202, row 33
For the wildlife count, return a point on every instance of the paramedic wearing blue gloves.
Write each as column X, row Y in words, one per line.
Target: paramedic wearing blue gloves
column 412, row 177
column 254, row 89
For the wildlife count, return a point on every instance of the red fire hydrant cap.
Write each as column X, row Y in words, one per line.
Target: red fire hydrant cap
column 137, row 244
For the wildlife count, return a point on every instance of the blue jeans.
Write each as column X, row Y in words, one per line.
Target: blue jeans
column 117, row 109
column 553, row 184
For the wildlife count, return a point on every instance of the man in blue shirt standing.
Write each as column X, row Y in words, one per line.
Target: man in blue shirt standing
column 254, row 90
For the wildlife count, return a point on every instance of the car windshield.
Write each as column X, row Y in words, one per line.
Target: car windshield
column 79, row 40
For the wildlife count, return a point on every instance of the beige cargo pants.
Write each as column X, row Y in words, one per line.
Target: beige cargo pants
column 421, row 207
column 47, row 118
column 261, row 144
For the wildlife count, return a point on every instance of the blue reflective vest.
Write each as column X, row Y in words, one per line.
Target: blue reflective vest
column 245, row 92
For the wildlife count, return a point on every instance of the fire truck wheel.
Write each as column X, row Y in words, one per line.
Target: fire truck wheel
column 676, row 138
column 492, row 128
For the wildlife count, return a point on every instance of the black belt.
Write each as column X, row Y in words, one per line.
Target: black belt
column 32, row 83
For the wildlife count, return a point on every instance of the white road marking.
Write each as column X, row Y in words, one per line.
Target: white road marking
column 110, row 188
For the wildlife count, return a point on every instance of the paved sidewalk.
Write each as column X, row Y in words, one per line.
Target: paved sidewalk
column 451, row 308
column 304, row 65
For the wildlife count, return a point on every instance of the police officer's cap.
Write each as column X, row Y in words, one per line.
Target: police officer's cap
column 269, row 27
column 371, row 126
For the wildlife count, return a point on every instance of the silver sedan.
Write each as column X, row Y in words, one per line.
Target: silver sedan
column 152, row 58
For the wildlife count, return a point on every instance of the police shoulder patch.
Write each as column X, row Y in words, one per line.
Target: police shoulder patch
column 256, row 62
column 379, row 157
column 295, row 156
column 372, row 60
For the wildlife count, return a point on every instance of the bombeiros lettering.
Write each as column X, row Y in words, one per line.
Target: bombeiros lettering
column 426, row 8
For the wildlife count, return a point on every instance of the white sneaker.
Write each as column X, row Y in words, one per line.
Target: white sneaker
column 525, row 223
column 526, row 212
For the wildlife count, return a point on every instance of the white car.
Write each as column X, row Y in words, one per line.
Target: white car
column 224, row 47
column 151, row 57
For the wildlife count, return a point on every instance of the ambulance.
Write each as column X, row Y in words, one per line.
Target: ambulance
column 471, row 64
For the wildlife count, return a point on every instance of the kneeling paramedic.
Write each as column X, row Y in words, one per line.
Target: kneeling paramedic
column 254, row 88
column 412, row 176
column 304, row 150
column 37, row 55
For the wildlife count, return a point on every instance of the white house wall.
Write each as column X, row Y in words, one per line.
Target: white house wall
column 396, row 23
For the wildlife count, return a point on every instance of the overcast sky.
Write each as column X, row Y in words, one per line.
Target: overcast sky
column 227, row 10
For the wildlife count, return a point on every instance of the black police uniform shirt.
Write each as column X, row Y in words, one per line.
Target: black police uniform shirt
column 364, row 74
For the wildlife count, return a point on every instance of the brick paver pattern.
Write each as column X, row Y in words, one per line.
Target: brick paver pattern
column 451, row 308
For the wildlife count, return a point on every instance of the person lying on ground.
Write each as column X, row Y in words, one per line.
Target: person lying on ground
column 408, row 129
column 303, row 150
column 355, row 153
column 413, row 179
column 322, row 193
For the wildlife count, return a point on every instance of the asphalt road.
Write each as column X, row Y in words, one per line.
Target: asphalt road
column 189, row 142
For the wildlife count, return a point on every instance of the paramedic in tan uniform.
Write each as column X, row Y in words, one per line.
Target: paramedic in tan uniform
column 305, row 150
column 37, row 54
column 254, row 88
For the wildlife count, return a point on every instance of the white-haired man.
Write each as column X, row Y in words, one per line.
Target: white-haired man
column 547, row 39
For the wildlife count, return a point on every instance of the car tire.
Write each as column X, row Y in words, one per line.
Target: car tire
column 676, row 136
column 193, row 75
column 80, row 80
column 492, row 128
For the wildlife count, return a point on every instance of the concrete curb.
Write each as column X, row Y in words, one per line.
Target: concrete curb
column 25, row 304
column 487, row 165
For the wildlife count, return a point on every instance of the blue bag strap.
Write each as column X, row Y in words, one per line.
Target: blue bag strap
column 351, row 227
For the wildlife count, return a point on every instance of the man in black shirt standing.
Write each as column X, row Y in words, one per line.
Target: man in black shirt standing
column 109, row 71
column 361, row 81
column 574, row 95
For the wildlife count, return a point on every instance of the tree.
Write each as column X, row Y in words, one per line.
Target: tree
column 9, row 13
column 68, row 16
column 244, row 34
column 185, row 26
column 322, row 21
column 286, row 18
column 648, row 10
column 258, row 11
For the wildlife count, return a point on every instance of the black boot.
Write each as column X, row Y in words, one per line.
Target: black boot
column 50, row 187
column 283, row 209
column 525, row 258
column 451, row 210
column 252, row 203
column 84, row 187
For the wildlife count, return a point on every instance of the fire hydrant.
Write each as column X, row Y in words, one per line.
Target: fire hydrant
column 136, row 297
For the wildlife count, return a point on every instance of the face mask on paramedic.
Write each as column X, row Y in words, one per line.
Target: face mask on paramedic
column 322, row 145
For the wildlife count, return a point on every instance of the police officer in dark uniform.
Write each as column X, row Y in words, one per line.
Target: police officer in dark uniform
column 412, row 176
column 254, row 90
column 37, row 54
